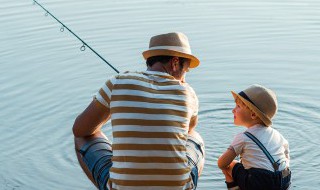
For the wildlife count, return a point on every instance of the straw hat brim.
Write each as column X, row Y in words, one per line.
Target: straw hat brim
column 256, row 110
column 157, row 52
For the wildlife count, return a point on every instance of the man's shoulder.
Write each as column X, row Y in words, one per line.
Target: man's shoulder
column 128, row 73
column 189, row 88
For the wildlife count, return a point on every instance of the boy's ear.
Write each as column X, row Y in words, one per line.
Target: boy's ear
column 254, row 115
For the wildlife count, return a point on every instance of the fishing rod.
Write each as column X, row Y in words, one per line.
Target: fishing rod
column 84, row 44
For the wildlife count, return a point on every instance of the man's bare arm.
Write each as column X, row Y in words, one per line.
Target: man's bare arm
column 193, row 123
column 91, row 119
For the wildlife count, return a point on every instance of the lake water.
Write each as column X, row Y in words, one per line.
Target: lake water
column 46, row 81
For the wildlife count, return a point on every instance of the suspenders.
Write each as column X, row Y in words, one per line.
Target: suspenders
column 285, row 179
column 265, row 151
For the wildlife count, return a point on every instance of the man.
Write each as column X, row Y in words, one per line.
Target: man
column 153, row 115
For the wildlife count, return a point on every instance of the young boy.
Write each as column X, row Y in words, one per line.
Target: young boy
column 255, row 108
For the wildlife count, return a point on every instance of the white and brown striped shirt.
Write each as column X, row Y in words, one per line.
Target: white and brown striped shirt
column 150, row 115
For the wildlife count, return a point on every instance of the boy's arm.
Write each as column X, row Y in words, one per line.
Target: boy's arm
column 91, row 119
column 226, row 158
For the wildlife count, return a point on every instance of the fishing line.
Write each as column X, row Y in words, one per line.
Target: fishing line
column 84, row 44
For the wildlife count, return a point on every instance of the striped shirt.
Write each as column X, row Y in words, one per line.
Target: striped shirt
column 150, row 116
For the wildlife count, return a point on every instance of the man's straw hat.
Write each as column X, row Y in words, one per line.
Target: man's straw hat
column 260, row 100
column 171, row 44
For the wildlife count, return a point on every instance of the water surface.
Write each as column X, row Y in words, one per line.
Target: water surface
column 46, row 81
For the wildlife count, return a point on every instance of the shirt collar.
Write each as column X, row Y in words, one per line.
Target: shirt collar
column 256, row 126
column 159, row 74
column 156, row 73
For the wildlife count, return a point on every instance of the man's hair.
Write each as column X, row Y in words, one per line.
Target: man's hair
column 163, row 59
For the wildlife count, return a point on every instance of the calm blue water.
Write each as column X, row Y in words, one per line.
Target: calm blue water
column 46, row 81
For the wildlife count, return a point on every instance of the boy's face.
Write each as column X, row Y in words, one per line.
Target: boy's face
column 241, row 115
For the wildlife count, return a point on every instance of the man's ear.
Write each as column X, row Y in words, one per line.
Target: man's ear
column 175, row 63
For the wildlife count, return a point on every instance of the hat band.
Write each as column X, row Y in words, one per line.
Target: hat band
column 174, row 48
column 243, row 95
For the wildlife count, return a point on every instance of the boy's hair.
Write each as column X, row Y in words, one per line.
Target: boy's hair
column 239, row 101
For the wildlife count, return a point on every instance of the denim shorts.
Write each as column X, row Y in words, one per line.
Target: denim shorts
column 195, row 155
column 97, row 155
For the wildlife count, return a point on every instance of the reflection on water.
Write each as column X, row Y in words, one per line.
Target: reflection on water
column 46, row 80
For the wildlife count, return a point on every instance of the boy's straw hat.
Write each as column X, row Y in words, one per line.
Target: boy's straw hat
column 260, row 100
column 171, row 44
